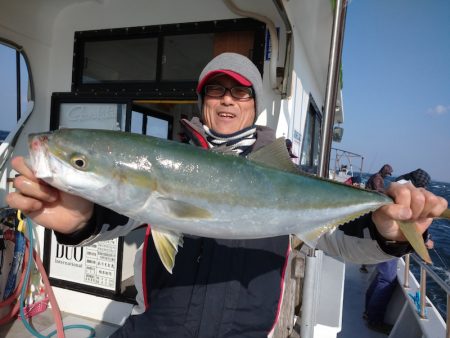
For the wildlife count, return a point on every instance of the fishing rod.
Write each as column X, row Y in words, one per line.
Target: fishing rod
column 443, row 262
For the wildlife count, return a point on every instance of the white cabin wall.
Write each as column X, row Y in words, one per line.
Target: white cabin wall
column 293, row 110
column 304, row 84
column 307, row 77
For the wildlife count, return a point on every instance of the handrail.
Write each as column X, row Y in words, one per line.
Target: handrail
column 431, row 273
column 424, row 270
column 332, row 87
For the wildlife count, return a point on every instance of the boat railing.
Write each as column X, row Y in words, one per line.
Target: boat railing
column 426, row 270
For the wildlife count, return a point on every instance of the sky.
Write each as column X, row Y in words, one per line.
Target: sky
column 8, row 98
column 396, row 85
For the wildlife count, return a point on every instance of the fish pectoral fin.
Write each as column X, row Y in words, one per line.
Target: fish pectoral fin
column 275, row 155
column 166, row 244
column 415, row 239
column 182, row 209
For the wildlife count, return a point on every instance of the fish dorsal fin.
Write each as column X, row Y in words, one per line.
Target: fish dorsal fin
column 166, row 244
column 275, row 155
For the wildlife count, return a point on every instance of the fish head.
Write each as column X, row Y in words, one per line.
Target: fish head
column 68, row 162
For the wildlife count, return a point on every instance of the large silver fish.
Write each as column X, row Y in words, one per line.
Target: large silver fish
column 179, row 188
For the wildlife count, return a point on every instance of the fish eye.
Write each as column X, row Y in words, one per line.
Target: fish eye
column 79, row 162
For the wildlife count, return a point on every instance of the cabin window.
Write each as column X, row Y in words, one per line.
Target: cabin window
column 161, row 61
column 120, row 61
column 181, row 60
column 148, row 122
column 311, row 140
column 15, row 87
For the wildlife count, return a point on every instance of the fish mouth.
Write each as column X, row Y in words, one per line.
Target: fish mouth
column 39, row 154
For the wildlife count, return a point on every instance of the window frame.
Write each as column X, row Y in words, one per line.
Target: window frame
column 161, row 89
column 31, row 93
column 313, row 136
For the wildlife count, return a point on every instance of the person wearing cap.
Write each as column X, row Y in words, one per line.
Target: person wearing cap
column 419, row 178
column 376, row 181
column 289, row 149
column 218, row 287
column 383, row 285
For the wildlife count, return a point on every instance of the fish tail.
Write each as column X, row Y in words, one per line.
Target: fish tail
column 414, row 237
column 445, row 214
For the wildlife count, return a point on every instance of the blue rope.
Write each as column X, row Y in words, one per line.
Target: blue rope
column 19, row 251
column 416, row 300
column 24, row 289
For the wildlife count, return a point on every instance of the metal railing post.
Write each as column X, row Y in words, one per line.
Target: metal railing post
column 332, row 87
column 406, row 276
column 423, row 292
column 447, row 335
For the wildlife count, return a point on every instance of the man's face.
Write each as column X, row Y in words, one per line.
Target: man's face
column 226, row 114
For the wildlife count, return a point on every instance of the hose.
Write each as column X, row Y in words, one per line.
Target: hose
column 31, row 252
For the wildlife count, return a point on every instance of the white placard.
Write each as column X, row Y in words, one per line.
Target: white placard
column 90, row 115
column 93, row 265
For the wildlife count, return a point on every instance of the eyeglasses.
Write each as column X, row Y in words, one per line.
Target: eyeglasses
column 238, row 92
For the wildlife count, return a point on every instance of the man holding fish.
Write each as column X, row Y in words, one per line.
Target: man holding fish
column 225, row 280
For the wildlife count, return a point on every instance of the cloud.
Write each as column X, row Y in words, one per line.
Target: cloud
column 439, row 110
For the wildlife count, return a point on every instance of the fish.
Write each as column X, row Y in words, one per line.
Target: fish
column 181, row 189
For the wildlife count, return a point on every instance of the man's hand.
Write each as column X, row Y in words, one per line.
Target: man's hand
column 46, row 205
column 410, row 204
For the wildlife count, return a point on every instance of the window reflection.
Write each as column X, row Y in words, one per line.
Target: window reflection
column 311, row 140
column 120, row 60
column 185, row 55
column 14, row 101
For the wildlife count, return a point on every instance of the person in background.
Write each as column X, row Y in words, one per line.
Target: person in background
column 220, row 287
column 419, row 178
column 289, row 148
column 384, row 283
column 376, row 181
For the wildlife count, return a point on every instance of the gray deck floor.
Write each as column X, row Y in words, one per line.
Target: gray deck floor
column 44, row 324
column 356, row 283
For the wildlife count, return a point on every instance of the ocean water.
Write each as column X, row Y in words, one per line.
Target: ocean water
column 440, row 254
column 3, row 134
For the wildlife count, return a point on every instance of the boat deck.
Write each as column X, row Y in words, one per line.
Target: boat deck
column 353, row 325
column 356, row 283
column 44, row 323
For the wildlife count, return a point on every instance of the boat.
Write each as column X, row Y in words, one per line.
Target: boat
column 342, row 167
column 132, row 66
